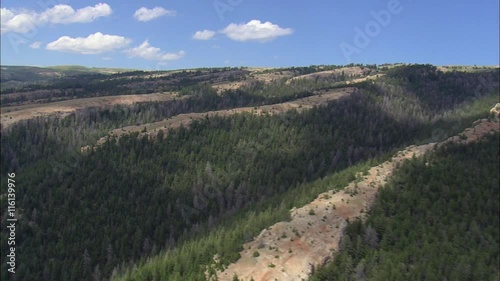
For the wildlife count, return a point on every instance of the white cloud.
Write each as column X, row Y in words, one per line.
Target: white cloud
column 21, row 22
column 6, row 15
column 255, row 30
column 145, row 14
column 26, row 21
column 204, row 35
column 36, row 45
column 107, row 58
column 96, row 43
column 149, row 52
column 66, row 14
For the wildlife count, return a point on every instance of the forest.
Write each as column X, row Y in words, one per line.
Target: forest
column 437, row 219
column 159, row 209
column 29, row 87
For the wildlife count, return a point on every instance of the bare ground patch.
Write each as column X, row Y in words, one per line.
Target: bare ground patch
column 291, row 250
column 256, row 74
column 355, row 71
column 13, row 114
column 362, row 79
column 152, row 129
column 353, row 75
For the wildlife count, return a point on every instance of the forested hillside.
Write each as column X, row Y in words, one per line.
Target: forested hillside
column 169, row 204
column 21, row 85
column 437, row 219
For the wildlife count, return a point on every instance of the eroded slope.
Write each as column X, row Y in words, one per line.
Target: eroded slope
column 13, row 114
column 291, row 250
column 152, row 129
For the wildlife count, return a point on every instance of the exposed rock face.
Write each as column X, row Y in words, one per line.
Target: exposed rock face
column 479, row 129
column 85, row 149
column 296, row 247
column 291, row 250
column 495, row 112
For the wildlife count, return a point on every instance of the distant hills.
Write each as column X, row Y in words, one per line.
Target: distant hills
column 34, row 73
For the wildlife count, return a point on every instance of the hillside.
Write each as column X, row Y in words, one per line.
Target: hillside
column 192, row 166
column 296, row 248
column 19, row 77
column 13, row 114
column 436, row 219
column 152, row 129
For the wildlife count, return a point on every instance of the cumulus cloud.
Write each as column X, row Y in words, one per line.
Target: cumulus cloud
column 20, row 22
column 66, row 14
column 204, row 35
column 148, row 52
column 26, row 21
column 36, row 45
column 96, row 43
column 255, row 30
column 145, row 14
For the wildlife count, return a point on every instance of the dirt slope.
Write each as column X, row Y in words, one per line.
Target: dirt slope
column 291, row 250
column 186, row 119
column 257, row 75
column 13, row 114
column 355, row 71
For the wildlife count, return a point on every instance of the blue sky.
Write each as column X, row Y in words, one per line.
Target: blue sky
column 205, row 33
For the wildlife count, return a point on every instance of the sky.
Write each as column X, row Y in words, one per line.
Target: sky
column 176, row 34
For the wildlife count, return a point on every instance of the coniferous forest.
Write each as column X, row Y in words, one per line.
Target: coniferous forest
column 141, row 208
column 436, row 220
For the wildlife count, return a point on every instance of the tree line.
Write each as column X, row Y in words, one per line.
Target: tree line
column 437, row 219
column 144, row 196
